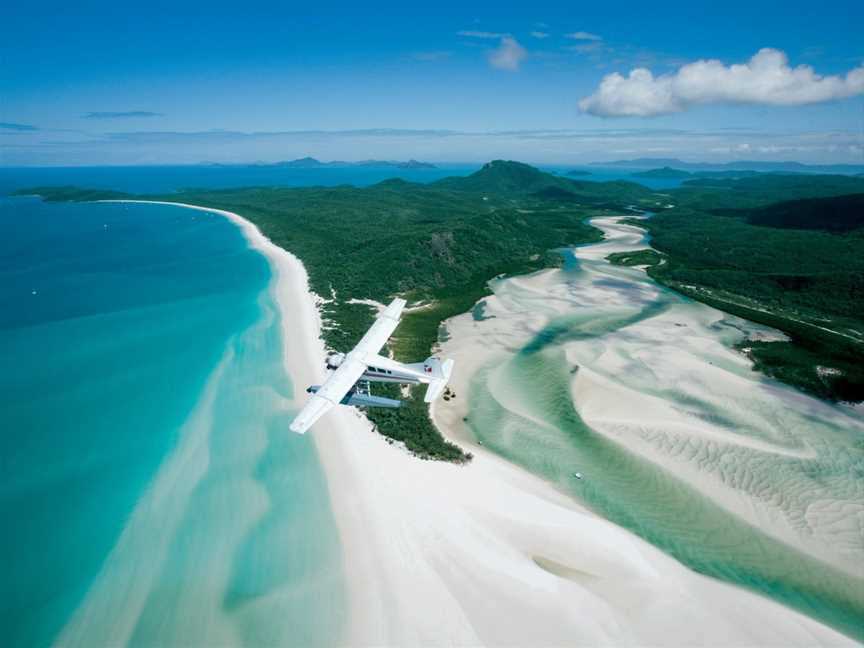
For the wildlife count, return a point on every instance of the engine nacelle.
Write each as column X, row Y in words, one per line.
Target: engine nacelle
column 334, row 360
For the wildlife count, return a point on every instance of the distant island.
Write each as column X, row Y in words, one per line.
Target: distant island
column 427, row 241
column 662, row 174
column 668, row 173
column 313, row 163
column 741, row 165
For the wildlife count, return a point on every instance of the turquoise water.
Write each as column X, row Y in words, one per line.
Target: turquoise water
column 140, row 354
column 795, row 461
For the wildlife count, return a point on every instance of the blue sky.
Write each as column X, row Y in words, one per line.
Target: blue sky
column 182, row 82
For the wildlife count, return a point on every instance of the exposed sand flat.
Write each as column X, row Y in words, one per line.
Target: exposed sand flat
column 663, row 383
column 371, row 303
column 488, row 554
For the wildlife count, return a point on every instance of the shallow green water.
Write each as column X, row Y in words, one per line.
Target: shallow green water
column 522, row 407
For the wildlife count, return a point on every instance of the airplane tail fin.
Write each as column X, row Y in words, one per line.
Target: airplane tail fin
column 441, row 372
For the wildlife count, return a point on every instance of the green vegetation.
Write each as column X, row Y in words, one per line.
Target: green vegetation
column 801, row 364
column 783, row 250
column 670, row 173
column 743, row 247
column 437, row 244
column 505, row 178
column 837, row 214
column 514, row 178
column 738, row 166
column 760, row 190
column 645, row 257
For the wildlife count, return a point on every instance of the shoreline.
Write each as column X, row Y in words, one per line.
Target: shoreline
column 606, row 392
column 488, row 553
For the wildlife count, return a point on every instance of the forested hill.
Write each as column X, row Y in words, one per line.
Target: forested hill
column 503, row 178
column 768, row 188
column 784, row 250
column 418, row 240
column 837, row 214
column 439, row 243
column 665, row 173
column 797, row 265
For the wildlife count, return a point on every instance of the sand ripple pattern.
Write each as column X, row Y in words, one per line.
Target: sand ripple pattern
column 597, row 368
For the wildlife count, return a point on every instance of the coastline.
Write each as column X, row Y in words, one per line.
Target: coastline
column 487, row 553
column 623, row 381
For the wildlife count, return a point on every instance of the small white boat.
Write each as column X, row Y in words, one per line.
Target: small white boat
column 577, row 475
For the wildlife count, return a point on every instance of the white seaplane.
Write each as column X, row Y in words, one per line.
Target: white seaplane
column 351, row 374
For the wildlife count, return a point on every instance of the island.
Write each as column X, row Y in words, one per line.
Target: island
column 639, row 258
column 782, row 250
column 738, row 165
column 669, row 173
column 737, row 244
column 313, row 163
column 664, row 173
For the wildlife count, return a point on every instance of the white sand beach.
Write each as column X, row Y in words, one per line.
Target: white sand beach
column 639, row 387
column 488, row 554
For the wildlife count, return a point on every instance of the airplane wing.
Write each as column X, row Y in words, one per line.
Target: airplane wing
column 382, row 329
column 331, row 393
column 343, row 379
column 314, row 409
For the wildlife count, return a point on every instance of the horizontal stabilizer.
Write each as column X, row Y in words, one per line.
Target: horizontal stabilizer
column 441, row 372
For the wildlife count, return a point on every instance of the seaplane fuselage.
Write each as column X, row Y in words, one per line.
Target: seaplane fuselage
column 350, row 373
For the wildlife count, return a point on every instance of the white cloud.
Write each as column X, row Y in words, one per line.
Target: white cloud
column 765, row 79
column 471, row 33
column 583, row 35
column 51, row 148
column 508, row 55
column 540, row 34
